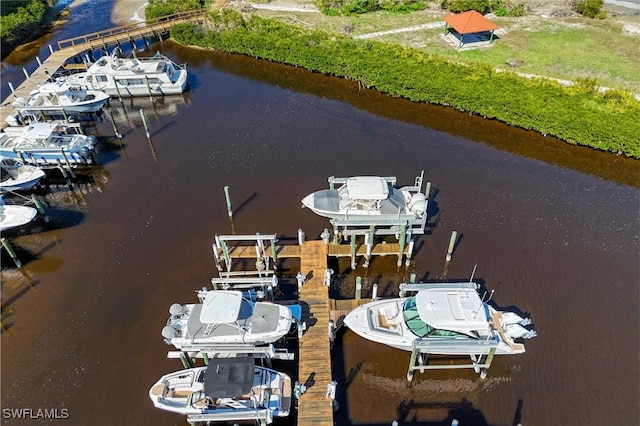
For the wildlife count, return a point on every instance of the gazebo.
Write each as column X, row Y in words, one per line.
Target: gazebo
column 470, row 23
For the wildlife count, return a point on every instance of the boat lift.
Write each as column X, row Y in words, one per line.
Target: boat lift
column 223, row 253
column 205, row 352
column 366, row 229
column 261, row 417
column 260, row 287
column 484, row 350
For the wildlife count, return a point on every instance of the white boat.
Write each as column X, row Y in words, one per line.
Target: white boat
column 116, row 76
column 12, row 216
column 48, row 144
column 443, row 319
column 369, row 198
column 18, row 177
column 228, row 389
column 60, row 99
column 225, row 317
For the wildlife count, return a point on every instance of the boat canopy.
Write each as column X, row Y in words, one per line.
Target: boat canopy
column 368, row 188
column 222, row 306
column 455, row 310
column 229, row 377
column 39, row 130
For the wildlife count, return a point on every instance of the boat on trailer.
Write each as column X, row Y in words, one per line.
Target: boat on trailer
column 442, row 319
column 228, row 389
column 226, row 317
column 48, row 144
column 128, row 77
column 369, row 198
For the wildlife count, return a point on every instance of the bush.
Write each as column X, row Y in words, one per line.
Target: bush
column 578, row 114
column 21, row 21
column 590, row 8
column 160, row 8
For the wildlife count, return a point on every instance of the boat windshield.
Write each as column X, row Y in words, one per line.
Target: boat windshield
column 420, row 328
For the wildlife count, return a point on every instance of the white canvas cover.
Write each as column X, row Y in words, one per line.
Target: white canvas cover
column 221, row 307
column 367, row 188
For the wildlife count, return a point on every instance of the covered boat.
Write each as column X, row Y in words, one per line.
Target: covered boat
column 228, row 389
column 48, row 144
column 226, row 317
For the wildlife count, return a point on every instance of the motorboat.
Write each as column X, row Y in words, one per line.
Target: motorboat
column 60, row 99
column 127, row 77
column 228, row 389
column 48, row 144
column 226, row 317
column 13, row 216
column 18, row 177
column 443, row 319
column 369, row 198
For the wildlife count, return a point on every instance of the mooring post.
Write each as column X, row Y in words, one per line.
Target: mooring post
column 38, row 61
column 409, row 252
column 352, row 251
column 301, row 279
column 115, row 83
column 227, row 197
column 51, row 49
column 452, row 243
column 367, row 254
column 327, row 277
column 148, row 87
column 66, row 161
column 332, row 332
column 412, row 278
column 300, row 237
column 403, row 230
column 144, row 123
column 64, row 172
column 414, row 356
column 325, row 236
column 11, row 87
column 186, row 361
column 36, row 202
column 374, row 292
column 26, row 74
column 205, row 358
column 12, row 253
column 216, row 255
column 358, row 287
column 274, row 253
column 115, row 129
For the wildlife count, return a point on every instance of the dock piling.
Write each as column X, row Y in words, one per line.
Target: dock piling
column 227, row 197
column 452, row 243
column 11, row 252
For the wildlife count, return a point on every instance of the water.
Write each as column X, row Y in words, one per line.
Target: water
column 553, row 229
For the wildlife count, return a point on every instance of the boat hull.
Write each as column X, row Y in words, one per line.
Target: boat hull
column 12, row 217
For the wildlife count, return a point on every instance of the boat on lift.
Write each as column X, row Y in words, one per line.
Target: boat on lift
column 443, row 319
column 127, row 77
column 18, row 177
column 226, row 317
column 369, row 198
column 226, row 390
column 60, row 99
column 48, row 144
column 13, row 216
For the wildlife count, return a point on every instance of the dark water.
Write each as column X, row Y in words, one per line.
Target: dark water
column 553, row 229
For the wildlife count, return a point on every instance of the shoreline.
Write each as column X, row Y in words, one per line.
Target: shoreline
column 127, row 12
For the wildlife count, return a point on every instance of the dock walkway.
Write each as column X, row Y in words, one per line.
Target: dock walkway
column 78, row 45
column 314, row 358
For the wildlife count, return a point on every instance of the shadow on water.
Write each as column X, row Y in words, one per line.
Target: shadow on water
column 472, row 127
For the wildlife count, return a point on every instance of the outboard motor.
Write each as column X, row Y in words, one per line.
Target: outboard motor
column 418, row 204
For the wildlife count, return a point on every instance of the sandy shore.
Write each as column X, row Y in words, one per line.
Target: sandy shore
column 128, row 11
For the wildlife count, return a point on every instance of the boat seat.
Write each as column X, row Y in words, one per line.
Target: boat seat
column 385, row 323
column 158, row 390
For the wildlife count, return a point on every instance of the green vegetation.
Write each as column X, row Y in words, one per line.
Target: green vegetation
column 579, row 114
column 591, row 8
column 159, row 8
column 356, row 7
column 21, row 20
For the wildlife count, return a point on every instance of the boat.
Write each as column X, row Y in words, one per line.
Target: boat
column 228, row 389
column 12, row 216
column 48, row 144
column 60, row 99
column 369, row 198
column 116, row 76
column 442, row 319
column 18, row 177
column 226, row 317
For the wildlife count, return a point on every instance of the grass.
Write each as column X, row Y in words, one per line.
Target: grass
column 561, row 48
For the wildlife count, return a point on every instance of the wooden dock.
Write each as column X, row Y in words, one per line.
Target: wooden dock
column 78, row 45
column 314, row 359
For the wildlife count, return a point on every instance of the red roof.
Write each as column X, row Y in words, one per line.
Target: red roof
column 470, row 22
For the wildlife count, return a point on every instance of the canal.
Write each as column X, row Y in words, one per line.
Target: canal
column 552, row 228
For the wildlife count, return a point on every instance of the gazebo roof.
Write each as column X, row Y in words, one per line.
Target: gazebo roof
column 470, row 22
